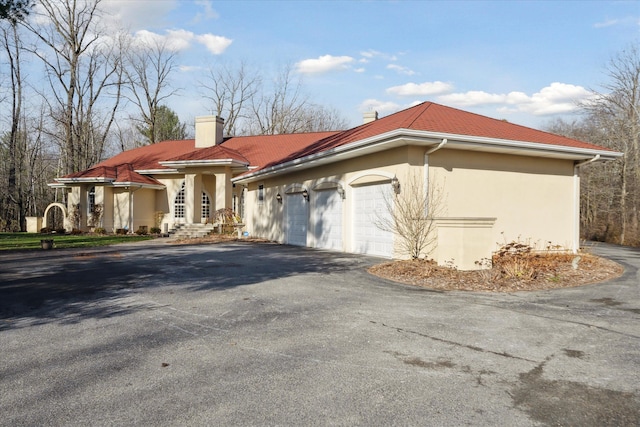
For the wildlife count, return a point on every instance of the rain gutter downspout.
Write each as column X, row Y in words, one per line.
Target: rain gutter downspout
column 576, row 201
column 426, row 168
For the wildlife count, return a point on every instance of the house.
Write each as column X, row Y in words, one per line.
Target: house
column 498, row 181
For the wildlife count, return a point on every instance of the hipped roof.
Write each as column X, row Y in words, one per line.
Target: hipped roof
column 269, row 151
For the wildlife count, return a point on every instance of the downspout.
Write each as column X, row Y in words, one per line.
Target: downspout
column 426, row 167
column 576, row 202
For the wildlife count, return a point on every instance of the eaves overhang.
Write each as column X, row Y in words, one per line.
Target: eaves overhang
column 66, row 182
column 138, row 185
column 181, row 164
column 156, row 171
column 404, row 137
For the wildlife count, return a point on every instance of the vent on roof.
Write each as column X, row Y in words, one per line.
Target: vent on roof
column 209, row 131
column 369, row 116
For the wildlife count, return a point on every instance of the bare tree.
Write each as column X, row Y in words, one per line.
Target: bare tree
column 229, row 91
column 410, row 215
column 84, row 72
column 287, row 109
column 14, row 10
column 148, row 70
column 616, row 110
column 15, row 140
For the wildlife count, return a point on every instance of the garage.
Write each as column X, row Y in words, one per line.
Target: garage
column 296, row 219
column 368, row 205
column 327, row 216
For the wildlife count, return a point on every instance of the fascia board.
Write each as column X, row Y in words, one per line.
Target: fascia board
column 195, row 163
column 528, row 148
column 400, row 137
column 138, row 185
column 156, row 171
column 83, row 180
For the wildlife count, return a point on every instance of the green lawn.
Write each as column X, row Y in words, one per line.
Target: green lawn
column 17, row 241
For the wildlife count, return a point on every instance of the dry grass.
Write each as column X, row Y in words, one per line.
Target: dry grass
column 509, row 273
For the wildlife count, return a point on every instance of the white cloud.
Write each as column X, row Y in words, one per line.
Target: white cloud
column 553, row 99
column 215, row 44
column 421, row 89
column 323, row 64
column 189, row 68
column 401, row 70
column 371, row 54
column 607, row 23
column 208, row 12
column 137, row 15
column 175, row 40
column 379, row 106
column 359, row 70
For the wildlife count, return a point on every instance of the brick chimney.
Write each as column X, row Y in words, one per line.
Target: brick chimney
column 370, row 116
column 209, row 131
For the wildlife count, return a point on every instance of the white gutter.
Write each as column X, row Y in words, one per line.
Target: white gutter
column 217, row 162
column 408, row 137
column 576, row 202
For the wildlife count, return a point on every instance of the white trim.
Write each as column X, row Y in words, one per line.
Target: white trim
column 375, row 172
column 138, row 185
column 217, row 162
column 156, row 171
column 402, row 137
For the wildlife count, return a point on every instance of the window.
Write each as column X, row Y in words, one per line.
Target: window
column 178, row 204
column 91, row 200
column 261, row 193
column 206, row 205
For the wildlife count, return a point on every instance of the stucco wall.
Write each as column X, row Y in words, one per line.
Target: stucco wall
column 530, row 198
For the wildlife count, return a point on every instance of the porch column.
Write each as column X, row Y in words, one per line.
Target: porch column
column 224, row 189
column 193, row 198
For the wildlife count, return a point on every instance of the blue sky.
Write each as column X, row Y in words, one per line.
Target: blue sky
column 527, row 62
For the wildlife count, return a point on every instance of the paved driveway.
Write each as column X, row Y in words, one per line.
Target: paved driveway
column 243, row 334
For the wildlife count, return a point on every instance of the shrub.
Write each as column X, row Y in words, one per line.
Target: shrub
column 121, row 231
column 61, row 231
column 76, row 232
column 46, row 230
column 155, row 230
column 142, row 230
column 100, row 230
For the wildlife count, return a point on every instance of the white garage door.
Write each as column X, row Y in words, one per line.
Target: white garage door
column 369, row 204
column 296, row 218
column 328, row 219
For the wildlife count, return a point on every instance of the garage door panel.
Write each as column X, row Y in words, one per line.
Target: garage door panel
column 328, row 220
column 369, row 206
column 297, row 218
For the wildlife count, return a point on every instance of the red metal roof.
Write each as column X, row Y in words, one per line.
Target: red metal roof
column 217, row 152
column 270, row 150
column 119, row 174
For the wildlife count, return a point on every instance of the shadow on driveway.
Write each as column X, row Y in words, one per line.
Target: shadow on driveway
column 42, row 285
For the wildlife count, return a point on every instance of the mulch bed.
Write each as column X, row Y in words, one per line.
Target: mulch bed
column 524, row 273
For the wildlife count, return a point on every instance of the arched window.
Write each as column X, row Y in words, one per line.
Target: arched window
column 178, row 203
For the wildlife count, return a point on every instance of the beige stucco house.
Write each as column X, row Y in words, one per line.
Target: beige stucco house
column 496, row 182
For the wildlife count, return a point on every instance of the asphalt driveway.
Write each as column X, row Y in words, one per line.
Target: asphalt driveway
column 263, row 334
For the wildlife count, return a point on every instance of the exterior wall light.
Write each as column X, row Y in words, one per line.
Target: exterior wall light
column 341, row 192
column 305, row 194
column 279, row 198
column 395, row 184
